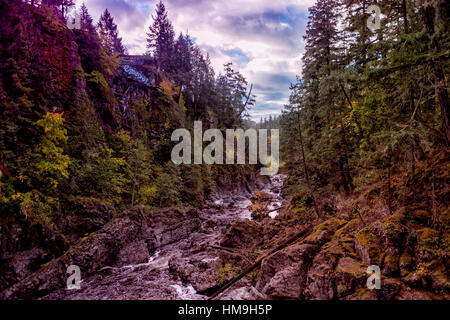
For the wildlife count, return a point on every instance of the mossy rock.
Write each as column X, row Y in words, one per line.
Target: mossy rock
column 394, row 234
column 419, row 216
column 391, row 264
column 430, row 276
column 349, row 228
column 323, row 232
column 227, row 272
column 243, row 234
column 428, row 237
column 350, row 275
column 369, row 247
column 348, row 248
column 405, row 263
column 333, row 249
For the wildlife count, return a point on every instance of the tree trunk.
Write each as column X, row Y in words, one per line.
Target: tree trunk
column 413, row 173
column 305, row 167
column 433, row 199
column 431, row 18
column 389, row 182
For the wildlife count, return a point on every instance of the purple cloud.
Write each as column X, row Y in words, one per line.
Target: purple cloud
column 262, row 37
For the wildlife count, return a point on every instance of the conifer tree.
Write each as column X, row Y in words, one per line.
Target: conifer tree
column 109, row 34
column 160, row 41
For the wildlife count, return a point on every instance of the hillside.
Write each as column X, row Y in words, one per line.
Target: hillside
column 87, row 176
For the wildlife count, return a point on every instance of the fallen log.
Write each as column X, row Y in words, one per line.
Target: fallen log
column 252, row 267
column 276, row 209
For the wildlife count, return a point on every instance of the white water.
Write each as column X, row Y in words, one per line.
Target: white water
column 153, row 279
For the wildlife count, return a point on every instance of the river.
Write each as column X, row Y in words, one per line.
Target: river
column 155, row 279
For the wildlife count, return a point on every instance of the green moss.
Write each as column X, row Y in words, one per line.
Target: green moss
column 368, row 241
column 428, row 237
column 405, row 260
column 419, row 216
column 224, row 272
column 391, row 264
column 98, row 83
column 351, row 266
column 324, row 231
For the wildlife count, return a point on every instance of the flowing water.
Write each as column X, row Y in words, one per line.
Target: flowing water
column 154, row 279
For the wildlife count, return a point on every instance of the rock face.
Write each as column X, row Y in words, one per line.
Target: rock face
column 243, row 234
column 21, row 265
column 176, row 253
column 350, row 274
column 83, row 216
column 282, row 275
column 133, row 253
column 122, row 241
column 202, row 274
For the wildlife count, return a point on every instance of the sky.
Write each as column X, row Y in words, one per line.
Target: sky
column 263, row 38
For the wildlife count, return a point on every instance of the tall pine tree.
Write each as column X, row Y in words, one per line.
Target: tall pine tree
column 109, row 35
column 160, row 41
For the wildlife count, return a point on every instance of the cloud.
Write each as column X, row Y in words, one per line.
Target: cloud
column 263, row 38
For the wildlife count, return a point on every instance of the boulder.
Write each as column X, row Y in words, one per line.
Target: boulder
column 287, row 283
column 283, row 274
column 324, row 231
column 243, row 293
column 369, row 247
column 84, row 216
column 320, row 282
column 133, row 253
column 350, row 276
column 321, row 278
column 201, row 274
column 243, row 234
column 271, row 266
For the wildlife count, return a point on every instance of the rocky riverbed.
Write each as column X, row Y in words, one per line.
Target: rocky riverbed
column 185, row 262
column 189, row 253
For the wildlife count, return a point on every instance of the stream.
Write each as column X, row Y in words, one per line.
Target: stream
column 155, row 279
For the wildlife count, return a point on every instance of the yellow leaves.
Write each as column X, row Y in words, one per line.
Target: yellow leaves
column 166, row 92
column 16, row 196
column 45, row 168
column 148, row 195
column 260, row 203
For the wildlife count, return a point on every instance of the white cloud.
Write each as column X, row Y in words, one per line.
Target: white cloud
column 268, row 32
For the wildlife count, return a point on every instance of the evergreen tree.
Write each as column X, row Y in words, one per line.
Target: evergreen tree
column 86, row 21
column 109, row 34
column 160, row 41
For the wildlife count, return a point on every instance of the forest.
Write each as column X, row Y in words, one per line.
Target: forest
column 86, row 176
